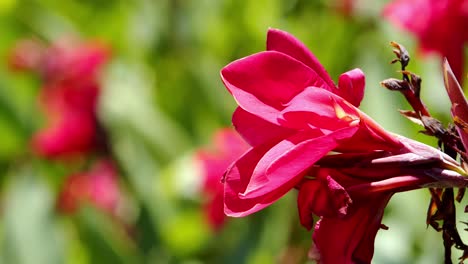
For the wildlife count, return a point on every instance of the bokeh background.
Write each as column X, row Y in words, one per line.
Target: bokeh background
column 162, row 99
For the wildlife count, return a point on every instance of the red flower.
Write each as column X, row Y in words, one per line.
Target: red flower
column 72, row 121
column 293, row 115
column 66, row 60
column 439, row 25
column 345, row 7
column 98, row 187
column 68, row 96
column 228, row 146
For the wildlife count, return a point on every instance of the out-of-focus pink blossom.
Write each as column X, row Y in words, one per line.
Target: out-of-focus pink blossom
column 227, row 147
column 439, row 26
column 97, row 187
column 68, row 97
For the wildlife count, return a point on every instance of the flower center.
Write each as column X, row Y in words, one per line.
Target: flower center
column 345, row 116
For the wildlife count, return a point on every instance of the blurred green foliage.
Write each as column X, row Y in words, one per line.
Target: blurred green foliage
column 163, row 98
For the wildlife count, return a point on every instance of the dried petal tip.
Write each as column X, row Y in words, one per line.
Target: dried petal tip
column 412, row 116
column 394, row 84
column 401, row 53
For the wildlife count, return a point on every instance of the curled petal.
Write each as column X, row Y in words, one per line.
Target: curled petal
column 266, row 172
column 236, row 180
column 351, row 86
column 264, row 83
column 285, row 163
column 228, row 146
column 322, row 197
column 318, row 108
column 256, row 130
column 286, row 43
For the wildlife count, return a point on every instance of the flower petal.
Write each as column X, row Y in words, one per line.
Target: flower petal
column 318, row 108
column 256, row 130
column 214, row 211
column 351, row 86
column 228, row 147
column 264, row 83
column 402, row 13
column 286, row 43
column 284, row 164
column 351, row 239
column 323, row 197
column 73, row 134
column 236, row 180
column 240, row 176
column 230, row 144
column 458, row 99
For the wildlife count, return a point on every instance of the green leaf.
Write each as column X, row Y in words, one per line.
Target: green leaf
column 31, row 234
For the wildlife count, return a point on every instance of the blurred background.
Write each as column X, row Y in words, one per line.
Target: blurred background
column 160, row 100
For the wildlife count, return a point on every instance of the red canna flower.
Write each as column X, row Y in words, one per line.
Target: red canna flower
column 308, row 133
column 69, row 94
column 228, row 146
column 439, row 25
column 98, row 187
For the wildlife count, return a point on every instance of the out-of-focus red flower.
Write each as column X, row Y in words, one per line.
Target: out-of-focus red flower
column 26, row 55
column 228, row 146
column 69, row 94
column 71, row 118
column 345, row 7
column 97, row 187
column 308, row 133
column 439, row 25
column 65, row 60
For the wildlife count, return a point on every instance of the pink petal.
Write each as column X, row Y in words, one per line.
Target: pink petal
column 214, row 211
column 105, row 192
column 454, row 51
column 351, row 239
column 351, row 86
column 457, row 97
column 370, row 136
column 99, row 186
column 73, row 134
column 286, row 43
column 228, row 147
column 238, row 177
column 230, row 144
column 433, row 23
column 264, row 83
column 284, row 164
column 256, row 130
column 403, row 13
column 318, row 108
column 74, row 62
column 236, row 180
